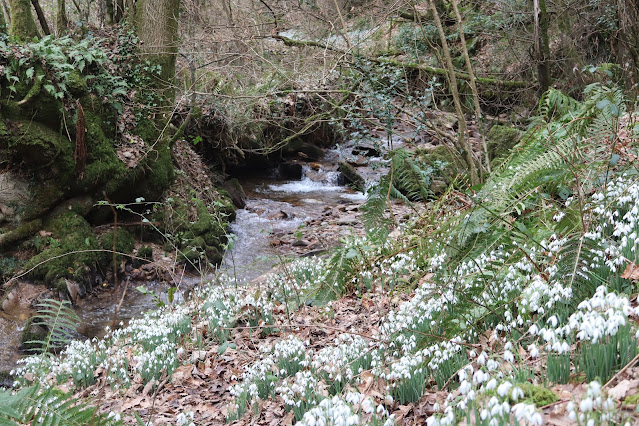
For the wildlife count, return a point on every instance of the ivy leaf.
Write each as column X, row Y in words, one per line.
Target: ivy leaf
column 30, row 72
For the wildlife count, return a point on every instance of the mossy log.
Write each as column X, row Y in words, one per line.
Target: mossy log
column 486, row 81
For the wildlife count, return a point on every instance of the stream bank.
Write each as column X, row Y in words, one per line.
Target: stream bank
column 281, row 218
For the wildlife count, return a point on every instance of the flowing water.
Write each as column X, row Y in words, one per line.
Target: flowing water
column 274, row 207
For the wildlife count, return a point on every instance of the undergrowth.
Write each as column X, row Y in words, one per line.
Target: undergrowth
column 531, row 274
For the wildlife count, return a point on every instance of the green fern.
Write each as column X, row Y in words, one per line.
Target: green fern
column 61, row 322
column 562, row 143
column 46, row 406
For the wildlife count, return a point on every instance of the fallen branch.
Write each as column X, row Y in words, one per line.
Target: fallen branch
column 487, row 81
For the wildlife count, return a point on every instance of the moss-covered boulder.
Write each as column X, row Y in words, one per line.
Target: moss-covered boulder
column 33, row 335
column 307, row 149
column 123, row 241
column 197, row 230
column 352, row 178
column 538, row 395
column 443, row 163
column 500, row 140
column 69, row 250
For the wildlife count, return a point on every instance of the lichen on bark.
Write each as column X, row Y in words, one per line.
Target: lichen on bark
column 23, row 25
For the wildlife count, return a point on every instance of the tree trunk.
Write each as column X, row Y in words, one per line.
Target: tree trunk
column 462, row 143
column 473, row 88
column 109, row 11
column 3, row 23
column 7, row 15
column 61, row 21
column 542, row 45
column 22, row 24
column 627, row 41
column 41, row 18
column 156, row 23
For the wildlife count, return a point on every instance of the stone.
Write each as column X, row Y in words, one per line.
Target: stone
column 500, row 140
column 236, row 192
column 351, row 176
column 290, row 170
column 311, row 152
column 75, row 290
column 367, row 150
column 438, row 186
column 359, row 161
column 14, row 195
column 347, row 221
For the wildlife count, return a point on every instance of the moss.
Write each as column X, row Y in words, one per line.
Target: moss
column 8, row 266
column 632, row 400
column 155, row 173
column 144, row 255
column 20, row 233
column 76, row 84
column 23, row 25
column 351, row 175
column 104, row 169
column 201, row 240
column 124, row 243
column 538, row 395
column 33, row 336
column 160, row 172
column 37, row 147
column 47, row 156
column 500, row 140
column 68, row 255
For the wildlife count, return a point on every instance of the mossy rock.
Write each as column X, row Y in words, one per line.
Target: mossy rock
column 311, row 151
column 19, row 233
column 500, row 141
column 143, row 256
column 37, row 147
column 538, row 395
column 77, row 84
column 201, row 240
column 104, row 171
column 124, row 243
column 352, row 177
column 235, row 192
column 33, row 336
column 9, row 266
column 442, row 160
column 70, row 252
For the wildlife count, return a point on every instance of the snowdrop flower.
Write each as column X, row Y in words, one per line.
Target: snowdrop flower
column 503, row 389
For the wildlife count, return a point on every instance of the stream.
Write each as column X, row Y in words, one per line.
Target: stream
column 274, row 209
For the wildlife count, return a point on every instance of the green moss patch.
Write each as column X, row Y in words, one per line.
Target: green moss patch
column 124, row 243
column 70, row 253
column 631, row 400
column 538, row 395
column 197, row 230
column 500, row 140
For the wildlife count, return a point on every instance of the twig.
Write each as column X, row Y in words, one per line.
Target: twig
column 630, row 364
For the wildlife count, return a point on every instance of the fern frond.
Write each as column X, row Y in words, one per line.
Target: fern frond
column 45, row 406
column 60, row 320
